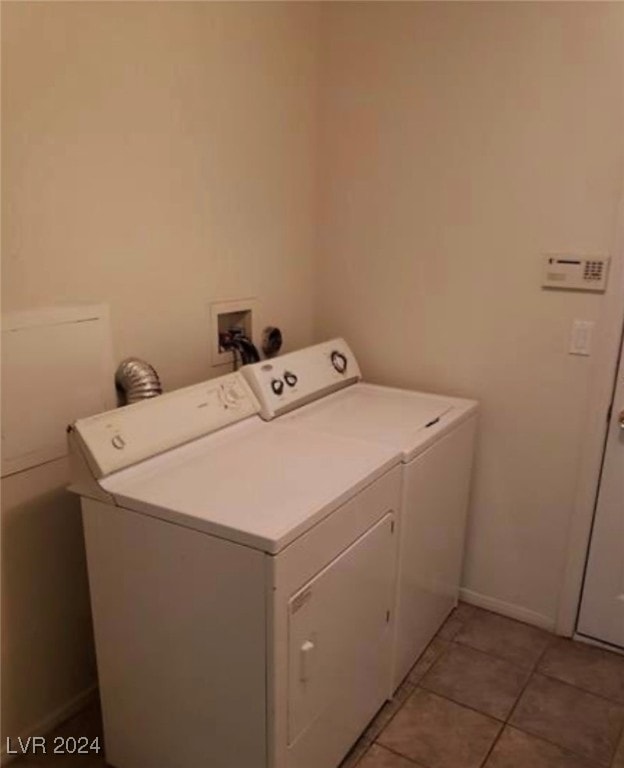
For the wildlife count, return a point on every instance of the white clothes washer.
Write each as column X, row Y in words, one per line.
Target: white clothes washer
column 242, row 579
column 435, row 436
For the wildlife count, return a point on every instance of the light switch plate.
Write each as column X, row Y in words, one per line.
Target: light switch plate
column 580, row 337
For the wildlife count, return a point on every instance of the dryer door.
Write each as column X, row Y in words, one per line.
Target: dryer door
column 339, row 635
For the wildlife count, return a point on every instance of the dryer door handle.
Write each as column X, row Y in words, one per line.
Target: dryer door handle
column 306, row 660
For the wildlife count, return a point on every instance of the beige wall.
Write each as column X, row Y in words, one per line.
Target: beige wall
column 155, row 157
column 48, row 661
column 459, row 142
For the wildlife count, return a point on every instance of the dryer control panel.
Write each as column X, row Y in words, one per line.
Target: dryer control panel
column 289, row 381
column 117, row 439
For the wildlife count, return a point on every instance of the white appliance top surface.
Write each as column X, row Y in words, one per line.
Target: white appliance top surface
column 407, row 421
column 254, row 483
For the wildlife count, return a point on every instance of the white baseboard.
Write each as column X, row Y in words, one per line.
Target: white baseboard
column 510, row 610
column 50, row 721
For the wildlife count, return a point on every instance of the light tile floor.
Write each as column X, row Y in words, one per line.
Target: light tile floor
column 488, row 692
column 494, row 693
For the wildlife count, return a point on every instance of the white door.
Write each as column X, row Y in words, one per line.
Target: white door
column 602, row 605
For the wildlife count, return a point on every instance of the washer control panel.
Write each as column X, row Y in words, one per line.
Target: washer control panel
column 287, row 382
column 117, row 439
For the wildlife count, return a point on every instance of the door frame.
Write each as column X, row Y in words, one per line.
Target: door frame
column 602, row 376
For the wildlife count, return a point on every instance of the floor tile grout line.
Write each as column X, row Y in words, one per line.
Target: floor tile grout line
column 420, row 686
column 557, row 639
column 414, row 687
column 520, row 695
column 460, row 704
column 466, row 706
column 392, row 716
column 405, row 757
column 366, row 743
column 501, row 727
column 492, row 745
column 540, row 737
column 530, row 671
column 580, row 688
column 529, row 678
column 526, row 668
column 442, row 653
column 534, row 672
column 618, row 743
column 551, row 639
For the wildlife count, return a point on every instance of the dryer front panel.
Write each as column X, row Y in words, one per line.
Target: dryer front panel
column 339, row 640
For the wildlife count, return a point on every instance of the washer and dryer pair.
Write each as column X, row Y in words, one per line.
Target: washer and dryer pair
column 244, row 572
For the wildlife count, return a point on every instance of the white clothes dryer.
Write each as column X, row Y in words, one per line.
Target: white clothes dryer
column 242, row 579
column 435, row 436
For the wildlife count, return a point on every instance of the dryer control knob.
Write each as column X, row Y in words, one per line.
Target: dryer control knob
column 230, row 396
column 339, row 361
column 118, row 442
column 277, row 385
column 290, row 378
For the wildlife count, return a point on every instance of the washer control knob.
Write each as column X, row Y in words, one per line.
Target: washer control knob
column 339, row 361
column 290, row 378
column 277, row 385
column 118, row 442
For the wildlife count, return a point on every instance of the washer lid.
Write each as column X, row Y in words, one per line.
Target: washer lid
column 405, row 420
column 257, row 484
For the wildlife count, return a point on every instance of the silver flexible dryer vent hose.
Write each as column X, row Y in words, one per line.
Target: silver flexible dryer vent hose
column 136, row 380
